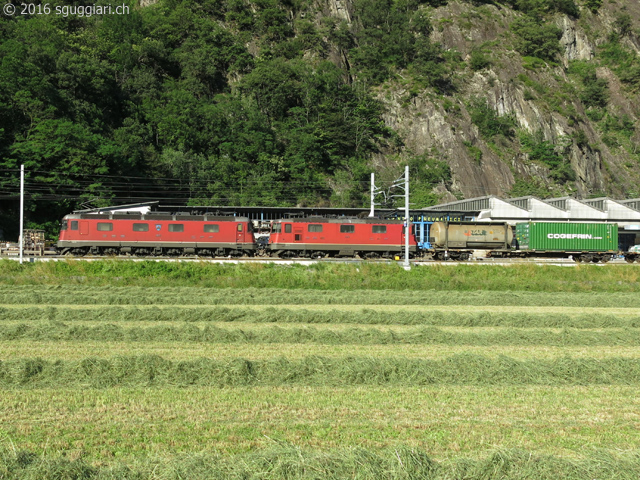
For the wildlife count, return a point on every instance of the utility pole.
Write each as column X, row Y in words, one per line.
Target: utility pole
column 407, row 231
column 374, row 191
column 21, row 239
column 404, row 183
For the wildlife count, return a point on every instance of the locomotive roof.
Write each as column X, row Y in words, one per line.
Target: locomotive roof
column 155, row 216
column 343, row 220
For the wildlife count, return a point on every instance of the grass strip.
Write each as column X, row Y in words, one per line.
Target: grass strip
column 107, row 424
column 178, row 351
column 286, row 462
column 91, row 295
column 362, row 316
column 311, row 335
column 326, row 276
column 465, row 369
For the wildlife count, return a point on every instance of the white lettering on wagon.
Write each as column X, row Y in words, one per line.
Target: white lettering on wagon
column 570, row 236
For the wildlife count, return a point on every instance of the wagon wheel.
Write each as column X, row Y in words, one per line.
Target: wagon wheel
column 629, row 259
column 606, row 258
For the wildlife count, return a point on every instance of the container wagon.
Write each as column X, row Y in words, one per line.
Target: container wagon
column 584, row 242
column 456, row 241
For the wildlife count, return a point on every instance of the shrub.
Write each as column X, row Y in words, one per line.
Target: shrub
column 535, row 39
column 479, row 60
column 548, row 154
column 488, row 121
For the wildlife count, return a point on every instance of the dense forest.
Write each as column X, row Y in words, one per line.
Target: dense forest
column 295, row 102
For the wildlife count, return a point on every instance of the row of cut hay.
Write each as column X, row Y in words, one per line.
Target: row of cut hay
column 465, row 369
column 323, row 336
column 326, row 275
column 39, row 295
column 364, row 316
column 285, row 462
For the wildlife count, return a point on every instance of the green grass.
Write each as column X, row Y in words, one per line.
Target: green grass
column 322, row 336
column 114, row 370
column 52, row 295
column 464, row 369
column 283, row 461
column 326, row 276
column 179, row 351
column 449, row 421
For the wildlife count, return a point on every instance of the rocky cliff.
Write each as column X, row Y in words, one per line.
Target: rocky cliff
column 579, row 105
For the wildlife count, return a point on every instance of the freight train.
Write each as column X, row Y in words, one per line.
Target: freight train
column 160, row 234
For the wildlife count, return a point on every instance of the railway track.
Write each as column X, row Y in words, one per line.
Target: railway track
column 565, row 262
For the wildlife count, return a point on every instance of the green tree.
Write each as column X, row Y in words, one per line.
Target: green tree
column 536, row 39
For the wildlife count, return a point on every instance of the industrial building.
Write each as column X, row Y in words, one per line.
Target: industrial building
column 626, row 213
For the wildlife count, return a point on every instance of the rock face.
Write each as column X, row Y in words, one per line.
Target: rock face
column 544, row 98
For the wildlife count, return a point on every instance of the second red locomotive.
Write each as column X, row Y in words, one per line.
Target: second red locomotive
column 342, row 237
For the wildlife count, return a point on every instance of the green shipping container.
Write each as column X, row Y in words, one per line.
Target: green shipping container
column 567, row 237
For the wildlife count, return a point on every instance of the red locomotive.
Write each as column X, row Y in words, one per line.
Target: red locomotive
column 348, row 237
column 155, row 234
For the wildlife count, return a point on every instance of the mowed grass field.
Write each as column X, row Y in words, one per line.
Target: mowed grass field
column 148, row 371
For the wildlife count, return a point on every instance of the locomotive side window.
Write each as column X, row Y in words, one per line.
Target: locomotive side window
column 378, row 229
column 287, row 228
column 105, row 226
column 239, row 227
column 74, row 225
column 313, row 228
column 212, row 228
column 176, row 227
column 347, row 228
column 140, row 227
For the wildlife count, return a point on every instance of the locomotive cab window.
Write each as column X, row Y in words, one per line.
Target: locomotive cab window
column 74, row 225
column 140, row 227
column 287, row 228
column 347, row 228
column 176, row 227
column 212, row 228
column 378, row 229
column 105, row 226
column 276, row 228
column 313, row 228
